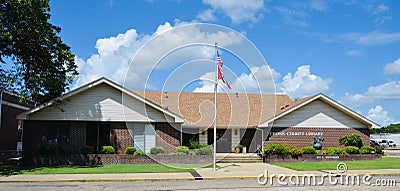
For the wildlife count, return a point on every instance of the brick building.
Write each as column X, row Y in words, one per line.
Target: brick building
column 104, row 113
column 9, row 125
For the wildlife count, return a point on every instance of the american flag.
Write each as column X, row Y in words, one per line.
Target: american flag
column 220, row 72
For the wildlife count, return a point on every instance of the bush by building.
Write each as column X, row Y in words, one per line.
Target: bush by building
column 130, row 150
column 182, row 150
column 87, row 150
column 107, row 150
column 335, row 151
column 276, row 149
column 139, row 153
column 352, row 150
column 66, row 150
column 309, row 150
column 352, row 140
column 367, row 150
column 156, row 150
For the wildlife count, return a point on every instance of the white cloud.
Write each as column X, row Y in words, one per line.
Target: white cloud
column 382, row 20
column 318, row 5
column 303, row 83
column 293, row 17
column 372, row 38
column 207, row 15
column 389, row 90
column 356, row 100
column 392, row 68
column 381, row 8
column 380, row 116
column 115, row 54
column 260, row 80
column 353, row 53
column 237, row 10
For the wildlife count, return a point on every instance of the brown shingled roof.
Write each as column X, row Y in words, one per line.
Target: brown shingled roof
column 240, row 110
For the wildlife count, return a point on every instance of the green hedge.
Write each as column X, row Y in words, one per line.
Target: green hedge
column 309, row 150
column 352, row 150
column 156, row 150
column 276, row 149
column 139, row 153
column 130, row 150
column 87, row 150
column 107, row 150
column 182, row 150
column 336, row 151
column 367, row 150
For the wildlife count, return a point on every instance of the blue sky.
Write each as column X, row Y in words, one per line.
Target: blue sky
column 348, row 50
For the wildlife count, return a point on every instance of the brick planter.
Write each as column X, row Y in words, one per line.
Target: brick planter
column 93, row 159
column 319, row 158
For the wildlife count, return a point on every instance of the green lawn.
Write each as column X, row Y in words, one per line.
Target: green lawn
column 103, row 169
column 385, row 163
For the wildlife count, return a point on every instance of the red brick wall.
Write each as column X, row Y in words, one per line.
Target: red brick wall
column 167, row 137
column 120, row 137
column 331, row 136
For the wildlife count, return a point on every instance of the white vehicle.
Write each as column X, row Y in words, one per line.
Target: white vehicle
column 385, row 142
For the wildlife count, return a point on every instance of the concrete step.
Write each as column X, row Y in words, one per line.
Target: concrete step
column 238, row 158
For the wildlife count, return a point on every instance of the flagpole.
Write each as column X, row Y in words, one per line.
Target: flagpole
column 215, row 108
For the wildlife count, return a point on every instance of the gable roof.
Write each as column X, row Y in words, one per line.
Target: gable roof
column 235, row 109
column 300, row 103
column 24, row 115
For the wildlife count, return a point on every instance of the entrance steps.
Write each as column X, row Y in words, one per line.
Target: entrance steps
column 238, row 158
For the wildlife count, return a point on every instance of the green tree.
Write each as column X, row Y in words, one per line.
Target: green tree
column 41, row 66
column 352, row 140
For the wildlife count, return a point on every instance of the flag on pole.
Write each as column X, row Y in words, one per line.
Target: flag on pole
column 220, row 72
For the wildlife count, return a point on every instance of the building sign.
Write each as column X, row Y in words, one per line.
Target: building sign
column 294, row 133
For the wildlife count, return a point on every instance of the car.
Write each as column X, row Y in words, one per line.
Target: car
column 373, row 143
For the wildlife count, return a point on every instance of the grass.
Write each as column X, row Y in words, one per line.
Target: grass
column 102, row 169
column 385, row 163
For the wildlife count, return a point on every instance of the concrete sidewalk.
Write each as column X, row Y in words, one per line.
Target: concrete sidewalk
column 226, row 171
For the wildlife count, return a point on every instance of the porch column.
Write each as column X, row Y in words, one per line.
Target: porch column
column 203, row 136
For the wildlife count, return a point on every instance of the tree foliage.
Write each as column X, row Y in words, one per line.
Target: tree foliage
column 392, row 128
column 40, row 65
column 352, row 140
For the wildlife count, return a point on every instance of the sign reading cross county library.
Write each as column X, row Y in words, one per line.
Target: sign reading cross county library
column 296, row 133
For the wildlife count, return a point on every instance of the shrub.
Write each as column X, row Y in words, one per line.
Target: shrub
column 352, row 150
column 367, row 150
column 87, row 150
column 379, row 149
column 203, row 151
column 48, row 149
column 277, row 149
column 156, row 150
column 182, row 150
column 335, row 151
column 352, row 140
column 194, row 144
column 309, row 150
column 66, row 150
column 295, row 152
column 107, row 150
column 130, row 150
column 139, row 153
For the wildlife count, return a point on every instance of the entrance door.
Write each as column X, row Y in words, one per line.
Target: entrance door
column 224, row 140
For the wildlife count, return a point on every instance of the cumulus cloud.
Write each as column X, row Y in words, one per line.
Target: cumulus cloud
column 237, row 10
column 380, row 116
column 114, row 57
column 389, row 90
column 392, row 68
column 303, row 83
column 356, row 100
column 259, row 80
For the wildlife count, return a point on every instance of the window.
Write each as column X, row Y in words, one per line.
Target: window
column 97, row 135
